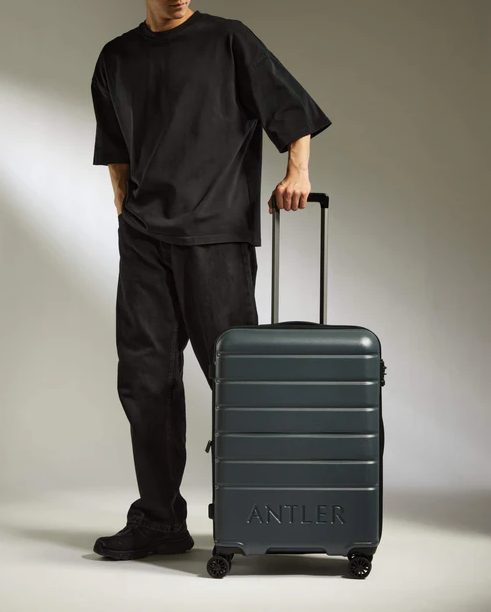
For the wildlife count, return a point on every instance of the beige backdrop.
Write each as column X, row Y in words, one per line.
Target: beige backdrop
column 405, row 163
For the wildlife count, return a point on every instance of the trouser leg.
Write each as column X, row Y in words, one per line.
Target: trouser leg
column 151, row 337
column 216, row 290
column 168, row 294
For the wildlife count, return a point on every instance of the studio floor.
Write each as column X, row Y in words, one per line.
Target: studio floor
column 435, row 555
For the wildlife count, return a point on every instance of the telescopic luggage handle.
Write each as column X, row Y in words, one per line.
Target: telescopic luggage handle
column 323, row 200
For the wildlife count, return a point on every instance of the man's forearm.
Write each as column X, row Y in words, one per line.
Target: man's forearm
column 294, row 189
column 119, row 174
column 298, row 155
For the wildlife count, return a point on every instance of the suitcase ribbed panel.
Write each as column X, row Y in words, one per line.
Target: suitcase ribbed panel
column 297, row 439
column 296, row 420
column 300, row 367
column 298, row 473
column 296, row 446
column 293, row 393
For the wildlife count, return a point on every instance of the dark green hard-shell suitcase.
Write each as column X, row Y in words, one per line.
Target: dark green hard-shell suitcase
column 298, row 435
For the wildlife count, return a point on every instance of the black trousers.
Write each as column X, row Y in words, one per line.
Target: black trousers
column 167, row 295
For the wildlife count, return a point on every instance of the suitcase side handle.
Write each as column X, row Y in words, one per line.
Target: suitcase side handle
column 323, row 200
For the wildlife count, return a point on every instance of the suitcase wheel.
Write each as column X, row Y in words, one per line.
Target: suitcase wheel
column 359, row 566
column 218, row 566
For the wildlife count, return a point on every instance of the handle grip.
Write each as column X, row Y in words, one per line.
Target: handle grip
column 323, row 200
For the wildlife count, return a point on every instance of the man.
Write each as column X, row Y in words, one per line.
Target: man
column 180, row 103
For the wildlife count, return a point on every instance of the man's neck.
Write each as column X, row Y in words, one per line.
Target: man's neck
column 158, row 23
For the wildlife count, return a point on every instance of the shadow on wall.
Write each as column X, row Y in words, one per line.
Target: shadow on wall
column 457, row 510
column 61, row 421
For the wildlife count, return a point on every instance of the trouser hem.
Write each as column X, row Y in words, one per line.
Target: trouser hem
column 157, row 526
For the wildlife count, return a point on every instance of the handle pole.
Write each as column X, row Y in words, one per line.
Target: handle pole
column 323, row 267
column 323, row 200
column 275, row 276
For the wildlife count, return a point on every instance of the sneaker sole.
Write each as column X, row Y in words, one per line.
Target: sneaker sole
column 164, row 548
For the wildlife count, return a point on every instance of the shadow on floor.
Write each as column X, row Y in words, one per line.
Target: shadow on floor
column 458, row 511
column 253, row 565
column 194, row 561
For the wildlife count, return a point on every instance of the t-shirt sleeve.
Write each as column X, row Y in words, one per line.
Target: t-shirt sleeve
column 270, row 92
column 110, row 146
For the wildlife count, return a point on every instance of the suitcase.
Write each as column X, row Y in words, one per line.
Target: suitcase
column 298, row 436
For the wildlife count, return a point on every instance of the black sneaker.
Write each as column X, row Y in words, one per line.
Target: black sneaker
column 135, row 541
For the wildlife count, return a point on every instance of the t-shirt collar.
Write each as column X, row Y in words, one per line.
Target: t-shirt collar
column 166, row 34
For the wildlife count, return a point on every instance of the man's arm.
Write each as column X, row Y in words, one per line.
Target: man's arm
column 119, row 174
column 109, row 146
column 286, row 111
column 292, row 192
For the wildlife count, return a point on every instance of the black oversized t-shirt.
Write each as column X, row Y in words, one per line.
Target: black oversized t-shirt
column 185, row 108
